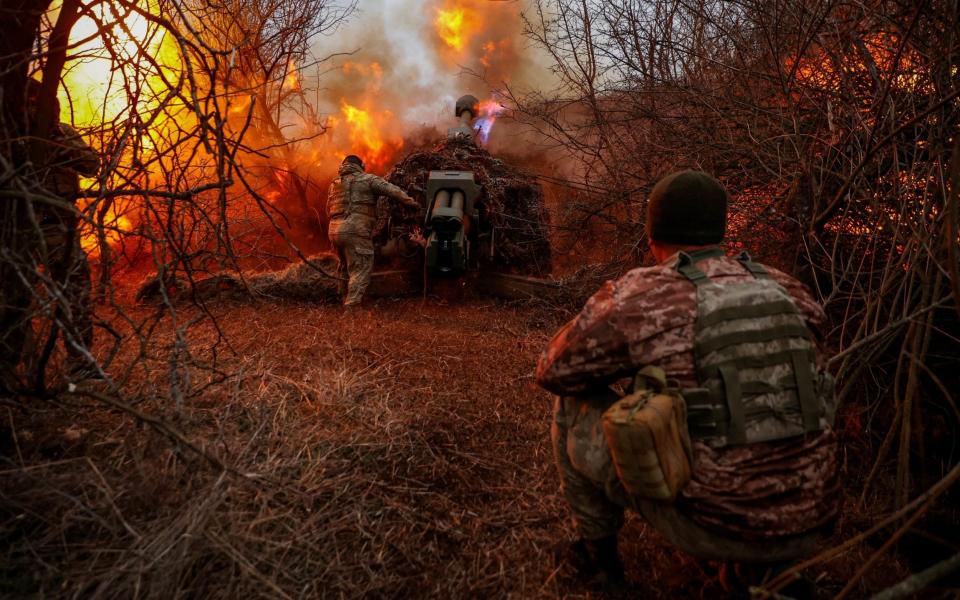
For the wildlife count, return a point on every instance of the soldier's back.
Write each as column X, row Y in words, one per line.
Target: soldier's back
column 756, row 490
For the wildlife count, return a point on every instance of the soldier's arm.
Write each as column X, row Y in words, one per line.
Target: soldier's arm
column 326, row 205
column 588, row 353
column 385, row 188
column 77, row 154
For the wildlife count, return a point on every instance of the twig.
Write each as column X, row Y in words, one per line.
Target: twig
column 919, row 581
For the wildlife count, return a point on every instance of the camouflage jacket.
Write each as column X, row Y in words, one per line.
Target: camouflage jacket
column 352, row 200
column 69, row 156
column 768, row 489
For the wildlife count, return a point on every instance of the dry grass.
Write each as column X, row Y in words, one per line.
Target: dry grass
column 401, row 452
column 379, row 459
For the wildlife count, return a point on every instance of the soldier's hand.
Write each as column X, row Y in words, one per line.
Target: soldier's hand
column 416, row 237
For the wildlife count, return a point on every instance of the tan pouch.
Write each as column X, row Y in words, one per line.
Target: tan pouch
column 648, row 438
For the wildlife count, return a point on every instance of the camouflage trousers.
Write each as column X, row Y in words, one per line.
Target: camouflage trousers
column 73, row 274
column 355, row 253
column 69, row 269
column 65, row 264
column 597, row 499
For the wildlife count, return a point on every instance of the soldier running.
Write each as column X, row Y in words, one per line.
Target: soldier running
column 748, row 501
column 352, row 209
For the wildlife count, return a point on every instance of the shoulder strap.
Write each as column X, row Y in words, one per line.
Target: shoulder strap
column 686, row 264
column 687, row 267
column 756, row 269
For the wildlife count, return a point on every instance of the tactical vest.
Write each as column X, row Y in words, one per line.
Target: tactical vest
column 347, row 198
column 755, row 361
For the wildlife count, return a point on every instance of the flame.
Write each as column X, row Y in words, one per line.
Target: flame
column 362, row 130
column 817, row 70
column 292, row 80
column 479, row 33
column 488, row 50
column 467, row 32
column 365, row 133
column 95, row 91
column 238, row 106
column 489, row 111
column 116, row 226
column 451, row 27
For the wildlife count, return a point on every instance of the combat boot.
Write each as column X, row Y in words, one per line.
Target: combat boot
column 610, row 573
column 598, row 560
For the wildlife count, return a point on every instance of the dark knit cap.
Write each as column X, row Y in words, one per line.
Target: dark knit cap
column 687, row 207
column 353, row 158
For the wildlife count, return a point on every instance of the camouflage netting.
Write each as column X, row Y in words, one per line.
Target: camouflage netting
column 299, row 281
column 513, row 200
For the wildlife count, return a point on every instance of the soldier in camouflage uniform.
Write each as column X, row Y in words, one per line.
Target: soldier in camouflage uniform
column 753, row 503
column 66, row 156
column 70, row 157
column 352, row 209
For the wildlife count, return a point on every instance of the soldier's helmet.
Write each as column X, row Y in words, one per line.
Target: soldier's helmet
column 353, row 159
column 687, row 207
column 468, row 102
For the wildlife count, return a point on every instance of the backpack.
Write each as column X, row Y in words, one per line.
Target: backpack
column 755, row 361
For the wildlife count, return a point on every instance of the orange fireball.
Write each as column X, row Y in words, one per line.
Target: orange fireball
column 362, row 130
column 366, row 133
column 450, row 27
column 476, row 32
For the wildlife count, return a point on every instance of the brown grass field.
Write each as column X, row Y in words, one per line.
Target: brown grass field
column 402, row 451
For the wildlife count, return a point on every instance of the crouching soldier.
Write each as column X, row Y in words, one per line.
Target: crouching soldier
column 352, row 209
column 737, row 339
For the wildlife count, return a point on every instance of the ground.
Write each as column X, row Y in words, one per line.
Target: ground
column 398, row 451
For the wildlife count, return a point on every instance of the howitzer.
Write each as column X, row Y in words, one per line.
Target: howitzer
column 452, row 222
column 455, row 238
column 483, row 222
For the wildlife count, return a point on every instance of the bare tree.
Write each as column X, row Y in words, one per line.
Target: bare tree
column 179, row 161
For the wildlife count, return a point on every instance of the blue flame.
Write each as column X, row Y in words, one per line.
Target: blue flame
column 482, row 126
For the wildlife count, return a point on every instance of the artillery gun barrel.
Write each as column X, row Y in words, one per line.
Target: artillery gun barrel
column 442, row 199
column 456, row 200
